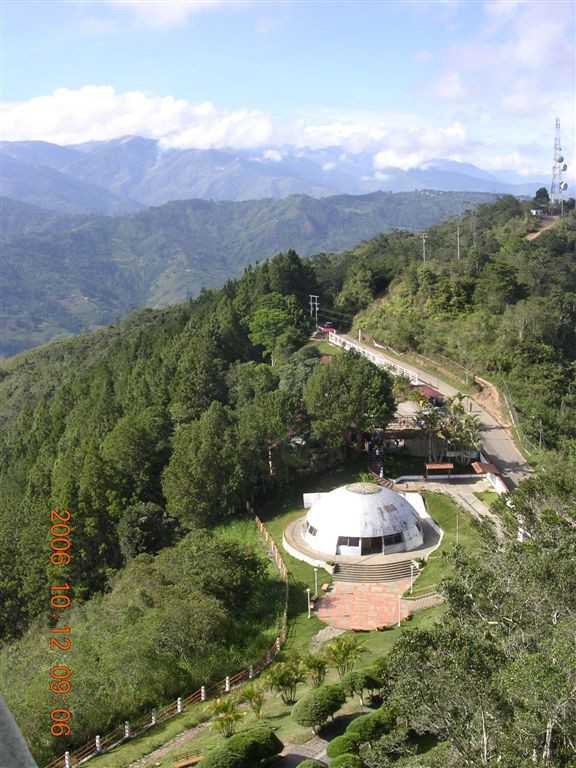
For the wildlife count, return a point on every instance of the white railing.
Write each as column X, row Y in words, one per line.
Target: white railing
column 374, row 357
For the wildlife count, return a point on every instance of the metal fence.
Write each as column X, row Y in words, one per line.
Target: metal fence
column 100, row 744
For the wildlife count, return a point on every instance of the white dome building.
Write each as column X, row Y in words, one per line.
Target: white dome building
column 362, row 519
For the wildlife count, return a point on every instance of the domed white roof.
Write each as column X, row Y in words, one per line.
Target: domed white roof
column 362, row 511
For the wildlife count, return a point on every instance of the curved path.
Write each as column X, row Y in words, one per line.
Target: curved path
column 497, row 445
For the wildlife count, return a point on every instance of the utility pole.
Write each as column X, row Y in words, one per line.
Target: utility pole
column 458, row 238
column 314, row 305
column 424, row 248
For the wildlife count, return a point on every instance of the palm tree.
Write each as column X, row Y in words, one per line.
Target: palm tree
column 315, row 665
column 225, row 715
column 342, row 652
column 255, row 697
column 284, row 678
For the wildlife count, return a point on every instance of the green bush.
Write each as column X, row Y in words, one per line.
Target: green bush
column 309, row 763
column 357, row 681
column 342, row 745
column 346, row 761
column 314, row 709
column 369, row 728
column 223, row 757
column 256, row 744
column 244, row 750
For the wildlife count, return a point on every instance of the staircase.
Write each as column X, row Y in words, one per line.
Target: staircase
column 372, row 573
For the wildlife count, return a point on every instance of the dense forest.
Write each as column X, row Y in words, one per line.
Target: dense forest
column 64, row 274
column 155, row 430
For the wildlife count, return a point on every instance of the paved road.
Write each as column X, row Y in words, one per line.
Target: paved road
column 497, row 445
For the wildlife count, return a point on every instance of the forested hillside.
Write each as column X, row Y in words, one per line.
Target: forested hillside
column 506, row 308
column 156, row 429
column 67, row 274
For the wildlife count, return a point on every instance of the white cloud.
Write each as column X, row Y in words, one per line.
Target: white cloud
column 272, row 155
column 449, row 87
column 168, row 13
column 410, row 149
column 392, row 139
column 95, row 113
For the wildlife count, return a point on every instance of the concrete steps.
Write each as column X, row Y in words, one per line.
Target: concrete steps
column 372, row 573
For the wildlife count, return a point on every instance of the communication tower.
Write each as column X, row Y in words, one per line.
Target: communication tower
column 558, row 186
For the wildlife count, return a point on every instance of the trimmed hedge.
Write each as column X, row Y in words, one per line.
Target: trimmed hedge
column 244, row 750
column 223, row 757
column 341, row 745
column 347, row 761
column 309, row 763
column 369, row 728
column 314, row 709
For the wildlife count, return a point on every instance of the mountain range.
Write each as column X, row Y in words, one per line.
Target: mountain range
column 131, row 173
column 62, row 274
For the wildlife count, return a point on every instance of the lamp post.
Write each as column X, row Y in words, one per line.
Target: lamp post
column 411, row 576
column 399, row 601
column 315, row 581
column 308, row 598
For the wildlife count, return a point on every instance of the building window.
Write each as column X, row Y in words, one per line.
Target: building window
column 311, row 530
column 348, row 541
column 395, row 538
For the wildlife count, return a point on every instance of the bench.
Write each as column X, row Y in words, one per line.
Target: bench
column 325, row 587
column 187, row 759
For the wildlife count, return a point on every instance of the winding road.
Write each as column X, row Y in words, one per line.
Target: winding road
column 497, row 445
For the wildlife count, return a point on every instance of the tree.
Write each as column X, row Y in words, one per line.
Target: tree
column 316, row 666
column 145, row 527
column 349, row 395
column 356, row 681
column 224, row 713
column 274, row 315
column 255, row 697
column 542, row 198
column 342, row 652
column 204, row 480
column 284, row 677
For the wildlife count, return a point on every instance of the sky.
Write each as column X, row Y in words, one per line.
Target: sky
column 406, row 81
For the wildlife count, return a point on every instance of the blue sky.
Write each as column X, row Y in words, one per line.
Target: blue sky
column 407, row 81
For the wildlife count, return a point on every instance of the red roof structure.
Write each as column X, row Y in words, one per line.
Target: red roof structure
column 429, row 392
column 481, row 468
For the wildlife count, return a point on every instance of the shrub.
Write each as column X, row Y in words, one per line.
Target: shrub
column 256, row 744
column 359, row 680
column 341, row 745
column 347, row 761
column 369, row 728
column 244, row 750
column 223, row 757
column 309, row 763
column 315, row 708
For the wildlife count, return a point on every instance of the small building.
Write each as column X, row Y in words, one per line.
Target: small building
column 362, row 519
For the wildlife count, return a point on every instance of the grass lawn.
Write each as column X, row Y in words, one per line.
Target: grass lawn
column 487, row 497
column 458, row 526
column 326, row 349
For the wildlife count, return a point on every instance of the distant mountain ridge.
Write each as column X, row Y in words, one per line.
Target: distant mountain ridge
column 65, row 274
column 130, row 173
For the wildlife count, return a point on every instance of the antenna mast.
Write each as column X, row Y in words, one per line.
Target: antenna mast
column 558, row 186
